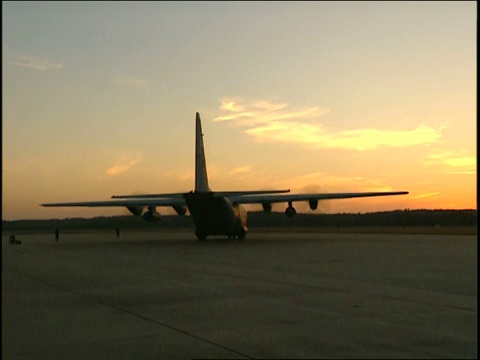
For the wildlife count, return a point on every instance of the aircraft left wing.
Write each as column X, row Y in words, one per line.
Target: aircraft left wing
column 269, row 199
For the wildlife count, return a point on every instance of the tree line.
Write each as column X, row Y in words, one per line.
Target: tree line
column 398, row 218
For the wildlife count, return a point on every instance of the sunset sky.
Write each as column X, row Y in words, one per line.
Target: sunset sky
column 100, row 99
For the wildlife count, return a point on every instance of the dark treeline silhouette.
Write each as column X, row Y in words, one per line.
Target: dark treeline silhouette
column 398, row 218
column 385, row 218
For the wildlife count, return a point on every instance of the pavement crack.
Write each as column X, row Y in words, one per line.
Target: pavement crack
column 146, row 318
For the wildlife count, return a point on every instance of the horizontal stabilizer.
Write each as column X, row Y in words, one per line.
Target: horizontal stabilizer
column 147, row 196
column 246, row 193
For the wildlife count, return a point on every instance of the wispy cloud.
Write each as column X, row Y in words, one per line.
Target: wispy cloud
column 32, row 62
column 240, row 170
column 434, row 194
column 262, row 112
column 323, row 182
column 124, row 164
column 140, row 84
column 457, row 160
column 267, row 121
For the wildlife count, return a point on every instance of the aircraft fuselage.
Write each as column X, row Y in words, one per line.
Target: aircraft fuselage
column 216, row 215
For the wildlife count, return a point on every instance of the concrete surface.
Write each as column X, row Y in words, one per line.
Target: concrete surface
column 165, row 295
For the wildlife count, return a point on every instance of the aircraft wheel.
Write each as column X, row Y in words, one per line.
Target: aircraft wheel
column 241, row 236
column 200, row 236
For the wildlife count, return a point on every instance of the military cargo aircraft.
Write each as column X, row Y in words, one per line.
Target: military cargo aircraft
column 215, row 212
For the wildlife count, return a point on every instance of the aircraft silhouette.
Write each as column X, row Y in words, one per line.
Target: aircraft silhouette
column 215, row 212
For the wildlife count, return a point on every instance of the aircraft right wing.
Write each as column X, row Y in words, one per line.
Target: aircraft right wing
column 269, row 199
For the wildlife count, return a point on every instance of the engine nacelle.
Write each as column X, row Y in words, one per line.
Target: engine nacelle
column 135, row 210
column 180, row 210
column 267, row 207
column 313, row 204
column 152, row 215
column 290, row 212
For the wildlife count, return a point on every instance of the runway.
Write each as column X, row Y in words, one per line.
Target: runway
column 297, row 295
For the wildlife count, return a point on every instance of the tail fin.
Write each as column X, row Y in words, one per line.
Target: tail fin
column 201, row 178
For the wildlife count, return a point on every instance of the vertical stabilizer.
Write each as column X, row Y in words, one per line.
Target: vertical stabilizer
column 201, row 178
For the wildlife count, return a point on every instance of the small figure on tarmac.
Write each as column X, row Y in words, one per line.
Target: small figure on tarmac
column 117, row 232
column 13, row 240
column 57, row 234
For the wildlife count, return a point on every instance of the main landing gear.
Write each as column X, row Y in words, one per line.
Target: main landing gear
column 202, row 237
column 233, row 237
column 241, row 235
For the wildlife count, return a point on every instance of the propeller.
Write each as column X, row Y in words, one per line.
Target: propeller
column 323, row 206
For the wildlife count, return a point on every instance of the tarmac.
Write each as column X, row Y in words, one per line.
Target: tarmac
column 150, row 295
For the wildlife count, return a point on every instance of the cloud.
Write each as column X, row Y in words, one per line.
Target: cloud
column 32, row 62
column 132, row 82
column 324, row 182
column 276, row 122
column 462, row 163
column 434, row 194
column 262, row 112
column 240, row 170
column 123, row 165
column 231, row 106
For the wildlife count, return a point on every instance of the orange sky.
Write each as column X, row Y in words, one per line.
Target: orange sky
column 100, row 99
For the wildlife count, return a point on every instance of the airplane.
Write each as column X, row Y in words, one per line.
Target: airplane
column 215, row 212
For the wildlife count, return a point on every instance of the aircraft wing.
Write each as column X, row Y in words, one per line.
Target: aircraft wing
column 174, row 201
column 144, row 196
column 259, row 199
column 215, row 193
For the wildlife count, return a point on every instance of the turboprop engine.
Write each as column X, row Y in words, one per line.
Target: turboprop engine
column 290, row 211
column 313, row 204
column 180, row 210
column 152, row 214
column 135, row 210
column 267, row 207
